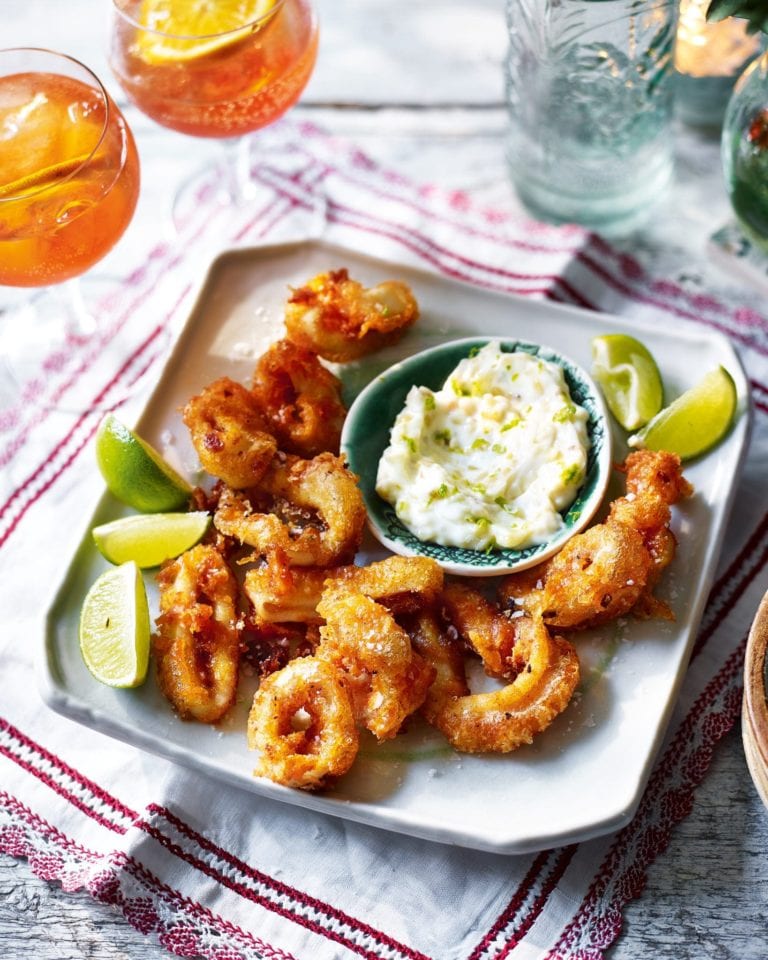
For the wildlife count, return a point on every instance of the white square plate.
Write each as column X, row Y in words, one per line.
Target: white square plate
column 537, row 797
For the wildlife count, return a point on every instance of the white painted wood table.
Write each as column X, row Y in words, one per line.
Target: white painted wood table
column 419, row 86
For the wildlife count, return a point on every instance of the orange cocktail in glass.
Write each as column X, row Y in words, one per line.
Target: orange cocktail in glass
column 69, row 172
column 213, row 68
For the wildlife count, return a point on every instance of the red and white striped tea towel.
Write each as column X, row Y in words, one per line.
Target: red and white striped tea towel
column 207, row 869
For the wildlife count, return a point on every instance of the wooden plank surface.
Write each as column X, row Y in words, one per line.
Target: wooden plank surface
column 419, row 87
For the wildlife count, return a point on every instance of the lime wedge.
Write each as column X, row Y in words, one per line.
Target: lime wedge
column 148, row 540
column 114, row 628
column 695, row 421
column 628, row 377
column 177, row 32
column 135, row 472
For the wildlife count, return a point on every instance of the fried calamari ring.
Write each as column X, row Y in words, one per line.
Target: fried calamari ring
column 445, row 652
column 197, row 644
column 501, row 720
column 401, row 584
column 341, row 320
column 312, row 511
column 302, row 724
column 300, row 398
column 599, row 575
column 610, row 569
column 229, row 433
column 386, row 679
column 280, row 593
column 489, row 632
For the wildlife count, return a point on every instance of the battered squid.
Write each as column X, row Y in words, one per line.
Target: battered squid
column 229, row 433
column 610, row 570
column 197, row 644
column 302, row 724
column 497, row 721
column 312, row 511
column 401, row 584
column 300, row 398
column 280, row 593
column 341, row 320
column 387, row 680
column 492, row 636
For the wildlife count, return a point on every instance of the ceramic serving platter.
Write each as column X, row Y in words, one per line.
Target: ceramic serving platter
column 537, row 797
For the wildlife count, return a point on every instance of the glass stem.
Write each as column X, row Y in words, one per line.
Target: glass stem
column 81, row 323
column 237, row 172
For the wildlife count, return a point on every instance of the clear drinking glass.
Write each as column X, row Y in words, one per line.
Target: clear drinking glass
column 213, row 70
column 589, row 90
column 69, row 183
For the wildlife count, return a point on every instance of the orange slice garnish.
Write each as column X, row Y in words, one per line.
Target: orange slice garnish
column 41, row 179
column 176, row 32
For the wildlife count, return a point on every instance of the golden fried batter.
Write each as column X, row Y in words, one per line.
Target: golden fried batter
column 312, row 511
column 386, row 678
column 229, row 433
column 597, row 576
column 302, row 724
column 340, row 320
column 401, row 584
column 611, row 568
column 283, row 594
column 197, row 644
column 300, row 398
column 500, row 720
column 488, row 631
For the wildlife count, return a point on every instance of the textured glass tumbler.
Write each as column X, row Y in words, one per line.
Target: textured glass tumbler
column 589, row 88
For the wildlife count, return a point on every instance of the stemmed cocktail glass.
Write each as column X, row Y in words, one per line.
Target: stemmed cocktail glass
column 69, row 183
column 215, row 68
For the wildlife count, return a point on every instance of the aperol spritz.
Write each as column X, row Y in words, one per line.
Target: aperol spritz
column 69, row 184
column 69, row 172
column 213, row 68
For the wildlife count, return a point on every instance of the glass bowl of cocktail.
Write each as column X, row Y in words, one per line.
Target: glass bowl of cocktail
column 69, row 183
column 220, row 68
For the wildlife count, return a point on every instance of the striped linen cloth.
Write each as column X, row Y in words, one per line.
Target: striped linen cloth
column 260, row 879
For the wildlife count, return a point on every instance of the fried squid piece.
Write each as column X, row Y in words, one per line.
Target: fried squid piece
column 280, row 593
column 501, row 720
column 485, row 628
column 610, row 570
column 401, row 584
column 387, row 680
column 312, row 511
column 229, row 433
column 654, row 484
column 300, row 398
column 302, row 724
column 341, row 320
column 197, row 643
column 283, row 594
column 597, row 576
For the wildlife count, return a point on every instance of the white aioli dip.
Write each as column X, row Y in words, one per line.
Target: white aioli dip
column 490, row 459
